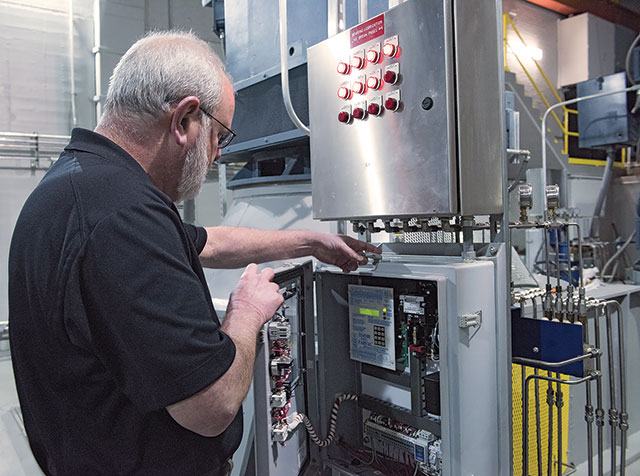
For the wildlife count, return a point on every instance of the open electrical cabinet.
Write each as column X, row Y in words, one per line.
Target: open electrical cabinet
column 397, row 338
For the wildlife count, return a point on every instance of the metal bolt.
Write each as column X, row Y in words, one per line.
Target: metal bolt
column 536, row 350
column 493, row 250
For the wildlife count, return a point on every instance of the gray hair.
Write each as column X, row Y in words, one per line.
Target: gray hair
column 158, row 71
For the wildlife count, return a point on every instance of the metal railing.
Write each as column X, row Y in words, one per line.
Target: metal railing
column 30, row 151
column 507, row 22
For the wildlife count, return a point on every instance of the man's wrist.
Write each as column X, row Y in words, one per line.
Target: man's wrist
column 311, row 241
column 248, row 313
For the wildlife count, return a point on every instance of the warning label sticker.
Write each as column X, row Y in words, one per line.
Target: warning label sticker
column 368, row 30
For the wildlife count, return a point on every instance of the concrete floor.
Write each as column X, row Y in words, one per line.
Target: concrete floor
column 15, row 455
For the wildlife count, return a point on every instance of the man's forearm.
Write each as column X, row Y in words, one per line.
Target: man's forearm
column 212, row 410
column 234, row 247
column 234, row 384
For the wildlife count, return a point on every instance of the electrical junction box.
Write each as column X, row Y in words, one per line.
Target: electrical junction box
column 607, row 120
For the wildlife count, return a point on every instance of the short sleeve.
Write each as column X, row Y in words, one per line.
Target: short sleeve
column 146, row 313
column 198, row 236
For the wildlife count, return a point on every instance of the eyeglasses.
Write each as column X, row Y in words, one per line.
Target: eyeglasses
column 224, row 138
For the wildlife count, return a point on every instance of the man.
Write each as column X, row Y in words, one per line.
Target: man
column 121, row 364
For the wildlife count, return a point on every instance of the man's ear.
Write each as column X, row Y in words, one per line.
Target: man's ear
column 184, row 120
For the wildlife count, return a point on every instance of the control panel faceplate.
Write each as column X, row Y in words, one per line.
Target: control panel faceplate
column 381, row 116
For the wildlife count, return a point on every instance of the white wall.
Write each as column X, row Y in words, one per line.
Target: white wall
column 35, row 79
column 35, row 65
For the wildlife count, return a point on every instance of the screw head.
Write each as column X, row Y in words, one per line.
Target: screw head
column 536, row 350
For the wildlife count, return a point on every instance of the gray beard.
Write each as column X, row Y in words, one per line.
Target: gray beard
column 195, row 168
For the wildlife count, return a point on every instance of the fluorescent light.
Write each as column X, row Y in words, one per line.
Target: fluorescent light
column 530, row 52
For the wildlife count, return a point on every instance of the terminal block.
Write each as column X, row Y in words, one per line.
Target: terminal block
column 279, row 330
column 280, row 366
column 279, row 399
column 279, row 432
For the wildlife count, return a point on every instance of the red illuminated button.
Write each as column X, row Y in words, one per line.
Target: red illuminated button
column 373, row 82
column 372, row 56
column 373, row 109
column 358, row 113
column 343, row 117
column 357, row 87
column 390, row 77
column 343, row 68
column 391, row 104
column 344, row 92
column 357, row 62
column 389, row 49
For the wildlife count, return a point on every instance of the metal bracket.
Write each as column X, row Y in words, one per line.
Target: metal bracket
column 470, row 320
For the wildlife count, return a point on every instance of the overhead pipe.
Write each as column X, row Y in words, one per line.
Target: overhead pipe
column 544, row 131
column 284, row 70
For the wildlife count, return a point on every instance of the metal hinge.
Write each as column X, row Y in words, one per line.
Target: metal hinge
column 470, row 320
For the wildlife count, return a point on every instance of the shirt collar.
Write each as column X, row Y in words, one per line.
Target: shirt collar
column 89, row 141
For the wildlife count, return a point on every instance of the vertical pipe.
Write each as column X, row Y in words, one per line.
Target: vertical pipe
column 189, row 211
column 599, row 408
column 222, row 188
column 606, row 180
column 550, row 403
column 547, row 298
column 613, row 412
column 536, row 383
column 72, row 68
column 559, row 405
column 97, row 60
column 623, row 424
column 579, row 252
column 588, row 409
column 558, row 308
column 525, row 424
column 336, row 17
column 363, row 10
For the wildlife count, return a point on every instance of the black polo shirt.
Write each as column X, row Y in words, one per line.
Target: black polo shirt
column 111, row 321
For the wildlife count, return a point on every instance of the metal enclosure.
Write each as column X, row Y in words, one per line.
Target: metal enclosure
column 606, row 121
column 469, row 428
column 272, row 458
column 440, row 152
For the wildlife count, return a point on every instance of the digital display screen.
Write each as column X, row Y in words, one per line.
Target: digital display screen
column 369, row 312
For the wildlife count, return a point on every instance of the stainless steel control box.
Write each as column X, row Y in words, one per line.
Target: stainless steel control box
column 406, row 116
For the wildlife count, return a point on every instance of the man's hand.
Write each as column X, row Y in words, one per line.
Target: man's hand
column 342, row 251
column 255, row 297
column 252, row 303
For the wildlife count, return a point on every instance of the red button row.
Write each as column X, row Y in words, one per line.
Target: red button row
column 373, row 82
column 373, row 56
column 374, row 109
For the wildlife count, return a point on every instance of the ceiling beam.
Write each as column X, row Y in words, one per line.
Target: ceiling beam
column 607, row 10
column 555, row 6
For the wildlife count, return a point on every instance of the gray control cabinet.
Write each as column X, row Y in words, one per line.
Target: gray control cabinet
column 405, row 119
